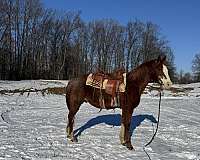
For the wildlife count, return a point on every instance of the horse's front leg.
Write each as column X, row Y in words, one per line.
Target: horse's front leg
column 125, row 137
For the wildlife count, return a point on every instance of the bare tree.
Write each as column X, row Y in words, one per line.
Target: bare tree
column 196, row 67
column 42, row 43
column 133, row 44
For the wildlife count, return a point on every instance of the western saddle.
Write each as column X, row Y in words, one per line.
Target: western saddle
column 110, row 83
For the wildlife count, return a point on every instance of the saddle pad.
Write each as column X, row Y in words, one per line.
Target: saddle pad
column 102, row 85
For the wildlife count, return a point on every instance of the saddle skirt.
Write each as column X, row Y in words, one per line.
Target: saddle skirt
column 104, row 82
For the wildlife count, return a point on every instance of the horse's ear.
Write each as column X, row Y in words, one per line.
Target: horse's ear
column 161, row 59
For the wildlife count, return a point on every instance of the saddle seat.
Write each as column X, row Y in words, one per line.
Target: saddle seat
column 111, row 83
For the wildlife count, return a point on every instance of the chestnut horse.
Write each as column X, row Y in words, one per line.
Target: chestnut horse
column 78, row 92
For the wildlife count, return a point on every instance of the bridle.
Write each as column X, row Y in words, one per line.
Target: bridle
column 160, row 81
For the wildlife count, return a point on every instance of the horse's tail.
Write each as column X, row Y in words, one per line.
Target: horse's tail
column 68, row 91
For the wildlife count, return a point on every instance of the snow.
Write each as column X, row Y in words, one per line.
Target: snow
column 186, row 155
column 26, row 84
column 33, row 127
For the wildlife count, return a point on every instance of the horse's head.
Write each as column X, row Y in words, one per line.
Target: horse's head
column 160, row 72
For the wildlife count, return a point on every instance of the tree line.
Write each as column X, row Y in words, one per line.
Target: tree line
column 196, row 68
column 40, row 43
column 187, row 77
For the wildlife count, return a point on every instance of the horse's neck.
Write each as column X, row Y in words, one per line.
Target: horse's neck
column 139, row 77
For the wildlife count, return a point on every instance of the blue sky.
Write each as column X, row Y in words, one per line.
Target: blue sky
column 179, row 20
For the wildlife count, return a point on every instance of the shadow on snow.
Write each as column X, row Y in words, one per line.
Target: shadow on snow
column 114, row 120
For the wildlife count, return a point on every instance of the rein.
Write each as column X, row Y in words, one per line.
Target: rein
column 156, row 129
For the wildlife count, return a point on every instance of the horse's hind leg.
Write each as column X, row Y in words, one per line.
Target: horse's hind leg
column 74, row 98
column 73, row 105
column 70, row 124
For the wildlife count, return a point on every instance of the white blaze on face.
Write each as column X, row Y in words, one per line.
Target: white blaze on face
column 166, row 79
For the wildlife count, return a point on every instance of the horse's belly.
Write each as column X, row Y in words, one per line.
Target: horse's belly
column 102, row 105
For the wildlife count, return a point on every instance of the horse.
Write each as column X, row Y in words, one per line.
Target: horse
column 77, row 92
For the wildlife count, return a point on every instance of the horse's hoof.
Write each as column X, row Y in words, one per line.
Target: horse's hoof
column 72, row 139
column 124, row 144
column 130, row 147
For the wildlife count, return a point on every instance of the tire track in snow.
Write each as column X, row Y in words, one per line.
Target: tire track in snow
column 5, row 117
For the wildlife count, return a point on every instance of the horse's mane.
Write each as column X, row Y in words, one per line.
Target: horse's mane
column 139, row 71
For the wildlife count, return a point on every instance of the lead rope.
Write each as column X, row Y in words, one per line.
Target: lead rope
column 155, row 131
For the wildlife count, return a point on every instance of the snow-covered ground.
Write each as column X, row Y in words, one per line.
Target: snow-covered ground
column 33, row 127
